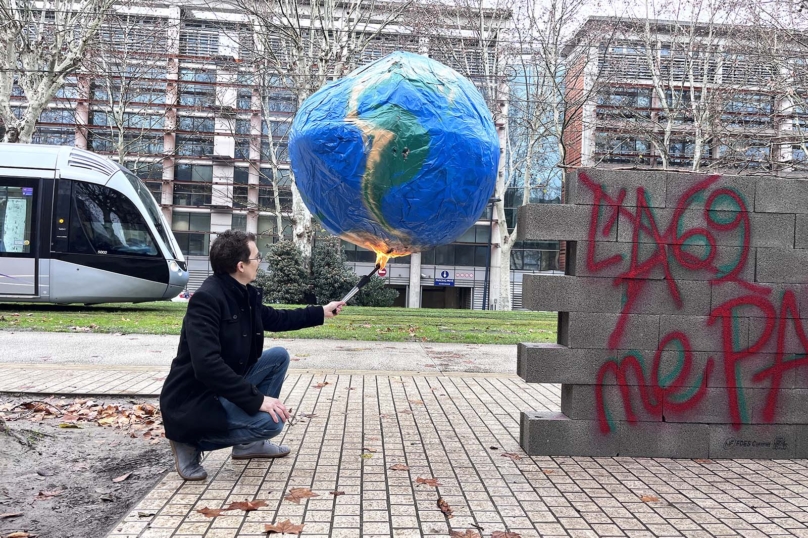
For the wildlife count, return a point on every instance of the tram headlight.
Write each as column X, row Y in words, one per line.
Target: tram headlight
column 174, row 267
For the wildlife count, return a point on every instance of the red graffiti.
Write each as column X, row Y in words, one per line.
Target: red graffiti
column 724, row 212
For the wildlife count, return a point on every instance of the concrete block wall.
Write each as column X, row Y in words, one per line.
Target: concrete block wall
column 683, row 317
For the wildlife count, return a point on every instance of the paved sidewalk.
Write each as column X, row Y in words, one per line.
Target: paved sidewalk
column 460, row 428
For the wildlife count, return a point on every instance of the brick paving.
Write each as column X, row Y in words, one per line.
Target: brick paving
column 461, row 429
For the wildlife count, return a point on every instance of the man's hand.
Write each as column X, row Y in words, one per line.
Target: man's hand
column 333, row 308
column 275, row 408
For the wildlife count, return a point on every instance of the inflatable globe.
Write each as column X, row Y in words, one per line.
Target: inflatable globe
column 399, row 156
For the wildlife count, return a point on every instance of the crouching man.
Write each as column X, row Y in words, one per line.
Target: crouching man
column 223, row 388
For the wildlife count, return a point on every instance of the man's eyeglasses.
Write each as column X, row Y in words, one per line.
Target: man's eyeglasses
column 259, row 257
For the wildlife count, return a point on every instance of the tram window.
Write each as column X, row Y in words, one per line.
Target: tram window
column 104, row 221
column 16, row 216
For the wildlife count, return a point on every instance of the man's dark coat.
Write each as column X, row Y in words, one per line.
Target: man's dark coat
column 222, row 337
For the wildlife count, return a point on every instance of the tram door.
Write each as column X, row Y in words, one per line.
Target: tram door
column 19, row 251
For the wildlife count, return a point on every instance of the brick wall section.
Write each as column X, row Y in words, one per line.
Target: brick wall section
column 682, row 317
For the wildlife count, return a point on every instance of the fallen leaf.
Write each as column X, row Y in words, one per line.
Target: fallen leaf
column 513, row 455
column 417, row 402
column 45, row 495
column 649, row 499
column 399, row 467
column 146, row 514
column 284, row 527
column 296, row 494
column 494, row 447
column 428, row 481
column 247, row 506
column 547, row 471
column 445, row 508
column 367, row 456
column 502, row 534
column 336, row 493
column 122, row 477
column 21, row 534
column 212, row 512
column 319, row 386
column 405, row 412
column 366, row 449
column 14, row 514
column 468, row 534
column 703, row 461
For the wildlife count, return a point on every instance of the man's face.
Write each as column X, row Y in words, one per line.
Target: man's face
column 251, row 265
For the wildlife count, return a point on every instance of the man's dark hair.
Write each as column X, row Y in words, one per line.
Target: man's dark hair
column 228, row 249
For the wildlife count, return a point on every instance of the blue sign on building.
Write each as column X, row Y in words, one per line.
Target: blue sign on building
column 444, row 279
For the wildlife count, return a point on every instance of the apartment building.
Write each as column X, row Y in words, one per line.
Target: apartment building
column 172, row 91
column 685, row 96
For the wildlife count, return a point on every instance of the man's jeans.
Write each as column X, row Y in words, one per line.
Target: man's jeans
column 267, row 374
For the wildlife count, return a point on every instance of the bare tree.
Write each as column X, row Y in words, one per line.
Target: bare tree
column 304, row 44
column 127, row 67
column 42, row 43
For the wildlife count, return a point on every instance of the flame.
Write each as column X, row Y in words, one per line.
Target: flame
column 383, row 250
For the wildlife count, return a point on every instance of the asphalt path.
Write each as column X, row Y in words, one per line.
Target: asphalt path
column 155, row 350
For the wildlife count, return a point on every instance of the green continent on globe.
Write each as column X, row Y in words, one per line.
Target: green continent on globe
column 399, row 145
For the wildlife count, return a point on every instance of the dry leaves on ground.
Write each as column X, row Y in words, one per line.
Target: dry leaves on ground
column 399, row 467
column 504, row 534
column 297, row 494
column 46, row 495
column 417, row 402
column 468, row 533
column 284, row 527
column 444, row 507
column 122, row 477
column 428, row 481
column 513, row 455
column 10, row 514
column 336, row 493
column 319, row 386
column 21, row 534
column 140, row 420
column 246, row 506
column 649, row 499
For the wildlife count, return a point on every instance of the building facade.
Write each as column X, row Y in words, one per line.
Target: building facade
column 685, row 96
column 172, row 92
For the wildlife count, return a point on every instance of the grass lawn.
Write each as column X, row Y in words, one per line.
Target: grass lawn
column 354, row 323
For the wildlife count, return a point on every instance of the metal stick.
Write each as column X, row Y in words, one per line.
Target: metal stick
column 362, row 281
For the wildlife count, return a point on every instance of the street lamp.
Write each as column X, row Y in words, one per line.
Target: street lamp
column 486, row 284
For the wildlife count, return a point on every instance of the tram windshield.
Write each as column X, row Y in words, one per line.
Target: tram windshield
column 154, row 213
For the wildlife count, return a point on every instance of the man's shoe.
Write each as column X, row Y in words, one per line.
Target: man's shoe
column 259, row 449
column 187, row 459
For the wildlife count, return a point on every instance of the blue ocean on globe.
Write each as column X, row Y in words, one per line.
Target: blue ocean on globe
column 399, row 156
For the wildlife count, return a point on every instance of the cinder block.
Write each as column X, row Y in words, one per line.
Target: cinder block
column 612, row 181
column 702, row 336
column 792, row 406
column 581, row 402
column 765, row 331
column 714, row 407
column 553, row 434
column 726, row 258
column 778, row 195
column 801, row 231
column 781, row 265
column 756, row 441
column 546, row 222
column 662, row 440
column 599, row 254
column 770, row 230
column 656, row 297
column 801, row 434
column 680, row 183
column 592, row 331
column 745, row 371
column 554, row 363
column 558, row 293
column 728, row 291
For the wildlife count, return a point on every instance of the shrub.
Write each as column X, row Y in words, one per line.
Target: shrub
column 331, row 279
column 287, row 281
column 375, row 294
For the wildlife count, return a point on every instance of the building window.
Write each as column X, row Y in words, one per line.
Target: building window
column 624, row 102
column 151, row 173
column 197, row 88
column 239, row 222
column 241, row 178
column 192, row 231
column 267, row 230
column 619, row 148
